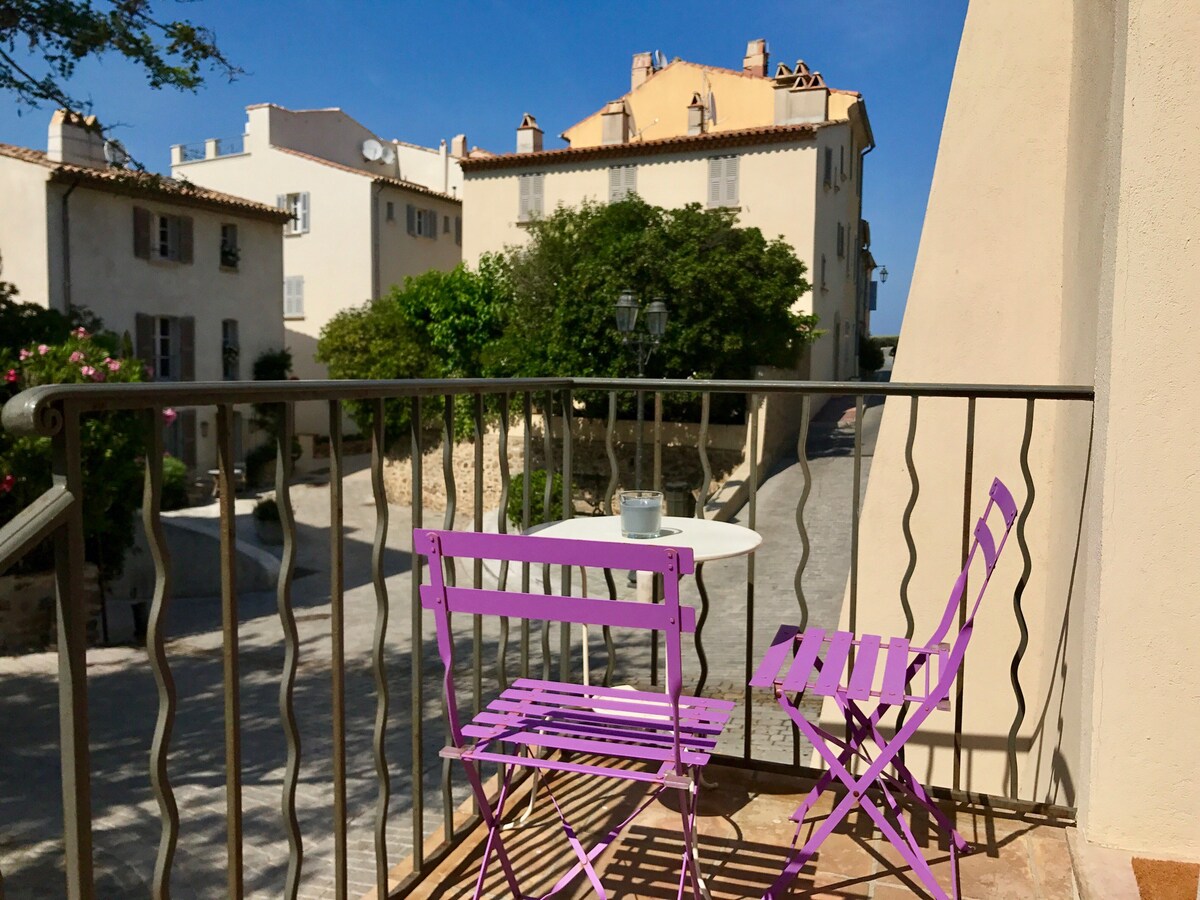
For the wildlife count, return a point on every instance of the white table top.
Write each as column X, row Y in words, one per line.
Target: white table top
column 707, row 539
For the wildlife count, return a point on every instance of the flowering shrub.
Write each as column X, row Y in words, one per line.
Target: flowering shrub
column 112, row 444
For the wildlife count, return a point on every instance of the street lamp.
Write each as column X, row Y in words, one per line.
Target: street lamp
column 883, row 274
column 626, row 310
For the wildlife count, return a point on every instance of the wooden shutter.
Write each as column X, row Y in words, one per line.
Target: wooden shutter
column 303, row 212
column 526, row 197
column 828, row 166
column 629, row 180
column 841, row 240
column 141, row 232
column 143, row 329
column 730, row 194
column 614, row 184
column 537, row 199
column 186, row 239
column 293, row 296
column 458, row 230
column 716, row 169
column 432, row 222
column 187, row 348
column 410, row 213
column 187, row 433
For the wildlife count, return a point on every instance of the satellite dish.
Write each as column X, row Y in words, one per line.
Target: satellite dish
column 660, row 59
column 372, row 150
column 389, row 154
column 712, row 108
column 114, row 154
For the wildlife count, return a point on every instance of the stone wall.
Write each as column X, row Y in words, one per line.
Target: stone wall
column 27, row 614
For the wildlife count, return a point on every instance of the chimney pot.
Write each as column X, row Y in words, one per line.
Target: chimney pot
column 458, row 146
column 643, row 68
column 614, row 123
column 75, row 140
column 755, row 60
column 529, row 136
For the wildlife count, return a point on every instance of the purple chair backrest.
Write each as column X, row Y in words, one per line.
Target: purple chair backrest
column 986, row 545
column 669, row 617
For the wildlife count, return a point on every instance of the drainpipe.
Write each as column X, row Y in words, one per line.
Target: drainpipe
column 66, row 246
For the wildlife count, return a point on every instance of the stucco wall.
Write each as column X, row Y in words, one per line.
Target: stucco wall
column 403, row 254
column 23, row 230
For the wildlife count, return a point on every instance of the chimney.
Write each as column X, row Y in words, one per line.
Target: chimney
column 529, row 136
column 755, row 60
column 458, row 146
column 614, row 123
column 75, row 140
column 643, row 68
column 801, row 96
column 696, row 115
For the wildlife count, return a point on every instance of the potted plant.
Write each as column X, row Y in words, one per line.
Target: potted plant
column 267, row 525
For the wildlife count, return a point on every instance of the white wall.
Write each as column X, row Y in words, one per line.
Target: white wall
column 23, row 231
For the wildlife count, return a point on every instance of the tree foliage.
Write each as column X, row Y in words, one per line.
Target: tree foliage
column 42, row 41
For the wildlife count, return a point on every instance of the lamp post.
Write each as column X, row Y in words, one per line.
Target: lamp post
column 643, row 342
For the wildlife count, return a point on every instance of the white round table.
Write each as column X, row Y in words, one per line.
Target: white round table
column 707, row 539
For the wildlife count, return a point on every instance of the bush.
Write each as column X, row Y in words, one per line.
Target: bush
column 266, row 510
column 257, row 461
column 537, row 495
column 870, row 354
column 174, row 483
column 112, row 445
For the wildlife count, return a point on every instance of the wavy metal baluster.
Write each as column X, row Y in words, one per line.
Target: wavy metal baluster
column 798, row 581
column 337, row 628
column 1018, row 595
column 906, row 525
column 477, row 564
column 159, row 778
column 705, row 466
column 230, row 662
column 610, row 648
column 547, row 496
column 654, row 589
column 752, row 523
column 378, row 650
column 968, row 479
column 418, row 648
column 568, row 510
column 526, row 505
column 502, row 528
column 451, row 578
column 291, row 649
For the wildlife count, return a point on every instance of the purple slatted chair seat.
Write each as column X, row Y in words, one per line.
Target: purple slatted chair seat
column 658, row 738
column 852, row 669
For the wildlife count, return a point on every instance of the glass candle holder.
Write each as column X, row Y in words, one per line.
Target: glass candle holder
column 641, row 514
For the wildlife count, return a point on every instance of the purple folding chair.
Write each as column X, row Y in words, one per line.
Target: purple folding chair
column 818, row 665
column 670, row 735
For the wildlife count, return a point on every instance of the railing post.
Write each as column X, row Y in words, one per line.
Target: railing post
column 72, row 615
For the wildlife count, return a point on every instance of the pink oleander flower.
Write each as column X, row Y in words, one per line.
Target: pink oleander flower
column 81, row 332
column 12, row 376
column 169, row 415
column 94, row 374
column 43, row 349
column 76, row 356
column 24, row 355
column 7, row 484
column 114, row 365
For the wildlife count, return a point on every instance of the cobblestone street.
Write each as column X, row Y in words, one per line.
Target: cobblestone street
column 123, row 698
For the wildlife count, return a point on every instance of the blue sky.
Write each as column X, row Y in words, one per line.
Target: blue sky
column 426, row 71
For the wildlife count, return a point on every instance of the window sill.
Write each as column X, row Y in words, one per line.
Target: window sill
column 231, row 269
column 736, row 207
column 299, row 318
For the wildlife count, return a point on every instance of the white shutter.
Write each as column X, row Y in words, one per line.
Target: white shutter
column 293, row 296
column 303, row 212
column 630, row 184
column 615, row 183
column 730, row 197
column 526, row 197
column 716, row 170
column 538, row 185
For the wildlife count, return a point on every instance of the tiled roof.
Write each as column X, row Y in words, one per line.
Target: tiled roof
column 142, row 184
column 378, row 179
column 765, row 134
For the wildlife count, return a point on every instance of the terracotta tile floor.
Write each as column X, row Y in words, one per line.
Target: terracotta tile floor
column 744, row 832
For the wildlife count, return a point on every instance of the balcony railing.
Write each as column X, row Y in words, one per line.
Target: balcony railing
column 56, row 411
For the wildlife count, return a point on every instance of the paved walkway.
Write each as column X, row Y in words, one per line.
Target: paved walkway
column 123, row 700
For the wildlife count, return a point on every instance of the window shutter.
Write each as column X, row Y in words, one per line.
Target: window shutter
column 187, row 348
column 526, row 197
column 432, row 221
column 731, row 181
column 410, row 213
column 458, row 230
column 186, row 239
column 716, row 169
column 187, row 431
column 841, row 240
column 143, row 331
column 304, row 212
column 630, row 185
column 293, row 296
column 536, row 199
column 281, row 201
column 828, row 166
column 141, row 232
column 614, row 184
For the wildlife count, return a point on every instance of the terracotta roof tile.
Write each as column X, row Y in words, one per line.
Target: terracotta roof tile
column 378, row 179
column 765, row 134
column 133, row 183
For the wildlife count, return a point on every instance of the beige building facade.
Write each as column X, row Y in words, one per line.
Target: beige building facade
column 784, row 150
column 365, row 214
column 192, row 275
column 1081, row 237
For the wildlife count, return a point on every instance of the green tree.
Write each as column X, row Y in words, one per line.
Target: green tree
column 41, row 43
column 730, row 292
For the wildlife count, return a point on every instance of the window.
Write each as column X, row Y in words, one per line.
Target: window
column 842, row 162
column 297, row 206
column 293, row 297
column 841, row 240
column 391, row 211
column 828, row 166
column 723, row 181
column 823, row 287
column 530, row 196
column 422, row 222
column 445, row 224
column 622, row 181
column 231, row 253
column 166, row 238
column 166, row 349
column 231, row 349
column 458, row 230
